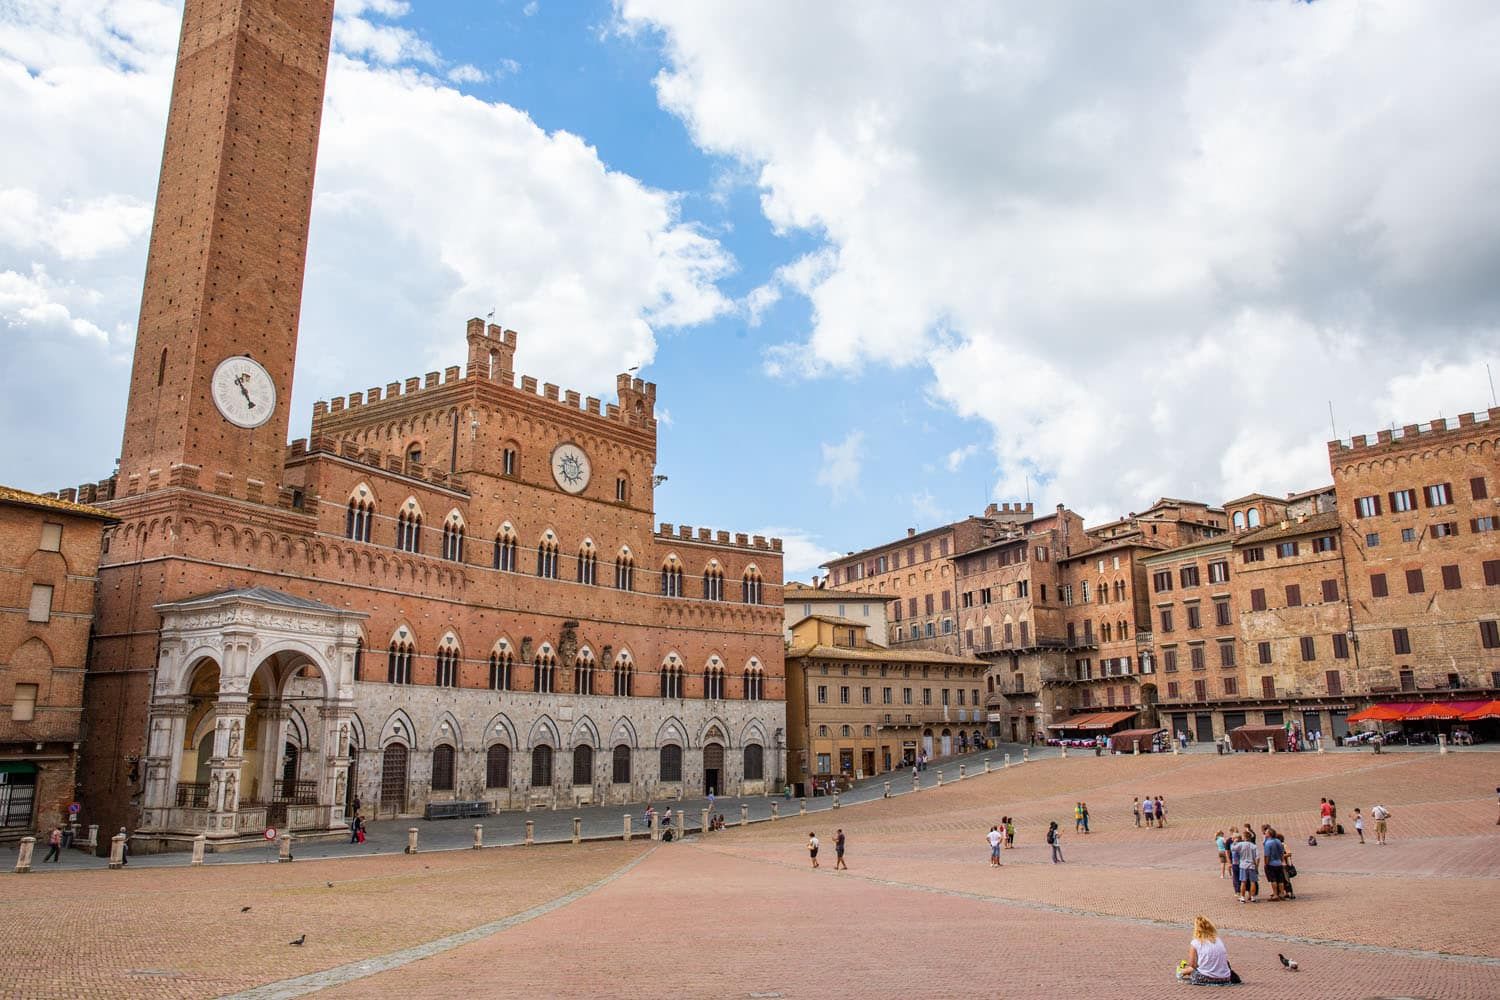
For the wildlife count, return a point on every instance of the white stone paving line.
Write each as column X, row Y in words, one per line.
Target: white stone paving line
column 341, row 974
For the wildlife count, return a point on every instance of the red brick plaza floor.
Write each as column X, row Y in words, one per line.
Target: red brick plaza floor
column 739, row 914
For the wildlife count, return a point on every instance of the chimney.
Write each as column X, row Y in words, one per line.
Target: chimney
column 910, row 532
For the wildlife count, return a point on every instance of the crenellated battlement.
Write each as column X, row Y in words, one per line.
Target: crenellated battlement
column 667, row 532
column 374, row 458
column 1412, row 434
column 492, row 360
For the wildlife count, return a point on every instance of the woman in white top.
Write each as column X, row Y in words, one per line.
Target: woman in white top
column 1208, row 959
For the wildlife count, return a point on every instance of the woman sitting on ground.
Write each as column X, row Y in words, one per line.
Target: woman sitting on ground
column 1208, row 960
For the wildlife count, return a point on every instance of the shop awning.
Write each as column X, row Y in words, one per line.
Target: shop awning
column 1416, row 711
column 17, row 767
column 1489, row 710
column 1094, row 721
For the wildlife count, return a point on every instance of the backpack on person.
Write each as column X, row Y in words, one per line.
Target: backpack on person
column 1051, row 836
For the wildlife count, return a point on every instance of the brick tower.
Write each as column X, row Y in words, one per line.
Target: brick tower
column 228, row 246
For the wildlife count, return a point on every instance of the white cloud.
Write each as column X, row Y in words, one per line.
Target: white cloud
column 926, row 509
column 958, row 456
column 802, row 554
column 841, row 466
column 466, row 73
column 430, row 206
column 530, row 9
column 1145, row 249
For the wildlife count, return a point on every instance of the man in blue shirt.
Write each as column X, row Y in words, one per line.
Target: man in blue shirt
column 1275, row 854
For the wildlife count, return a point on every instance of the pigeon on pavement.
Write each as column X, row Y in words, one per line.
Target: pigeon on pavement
column 299, row 941
column 1287, row 963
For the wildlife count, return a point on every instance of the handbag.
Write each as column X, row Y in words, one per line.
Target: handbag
column 1291, row 870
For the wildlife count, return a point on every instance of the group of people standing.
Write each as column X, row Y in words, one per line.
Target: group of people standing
column 1242, row 856
column 1152, row 810
column 1080, row 817
column 1002, row 836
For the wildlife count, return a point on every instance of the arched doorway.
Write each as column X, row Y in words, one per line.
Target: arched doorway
column 393, row 766
column 927, row 742
column 947, row 742
column 583, row 764
column 713, row 768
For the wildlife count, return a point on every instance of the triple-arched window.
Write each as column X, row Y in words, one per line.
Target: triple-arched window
column 447, row 663
column 713, row 583
column 750, row 586
column 624, row 570
column 546, row 557
column 713, row 681
column 360, row 518
column 671, row 680
column 501, row 665
column 623, row 676
column 398, row 662
column 671, row 578
column 588, row 564
column 409, row 528
column 755, row 682
column 544, row 672
column 453, row 538
column 583, row 673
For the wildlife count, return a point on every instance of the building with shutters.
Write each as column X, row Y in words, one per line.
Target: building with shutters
column 452, row 589
column 49, row 564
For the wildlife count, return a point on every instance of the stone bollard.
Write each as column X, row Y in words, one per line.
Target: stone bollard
column 940, row 778
column 1135, row 748
column 835, row 800
column 656, row 826
column 1270, row 745
column 478, row 836
column 705, row 821
column 23, row 856
column 117, row 851
column 93, row 840
column 775, row 810
column 577, row 829
column 961, row 772
column 986, row 765
column 744, row 814
column 679, row 793
column 1026, row 755
column 1065, row 751
column 530, row 832
column 285, row 852
column 1319, row 742
column 199, row 843
column 1176, row 748
column 887, row 790
column 801, row 807
column 1442, row 743
column 627, row 828
column 1006, row 763
column 916, row 783
column 681, row 824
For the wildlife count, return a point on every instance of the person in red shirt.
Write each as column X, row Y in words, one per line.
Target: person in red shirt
column 1325, row 816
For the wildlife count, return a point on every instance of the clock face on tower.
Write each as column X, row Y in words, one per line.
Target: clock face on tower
column 244, row 392
column 570, row 467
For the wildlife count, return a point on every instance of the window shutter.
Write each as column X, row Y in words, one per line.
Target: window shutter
column 1392, row 496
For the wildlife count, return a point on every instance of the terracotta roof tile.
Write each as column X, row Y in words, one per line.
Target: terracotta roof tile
column 21, row 498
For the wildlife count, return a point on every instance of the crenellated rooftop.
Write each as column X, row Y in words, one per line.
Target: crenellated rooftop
column 1403, row 437
column 376, row 459
column 666, row 532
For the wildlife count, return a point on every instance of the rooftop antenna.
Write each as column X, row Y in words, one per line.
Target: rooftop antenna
column 1331, row 422
column 1492, row 383
column 490, row 315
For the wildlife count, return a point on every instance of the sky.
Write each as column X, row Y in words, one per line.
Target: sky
column 887, row 262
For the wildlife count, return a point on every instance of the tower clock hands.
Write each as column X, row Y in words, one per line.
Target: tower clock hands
column 240, row 381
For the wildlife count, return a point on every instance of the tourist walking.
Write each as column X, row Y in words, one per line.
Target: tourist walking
column 1275, row 851
column 1135, row 809
column 54, row 846
column 1054, row 840
column 1161, row 812
column 1148, row 809
column 1232, row 848
column 1249, row 861
column 1010, row 833
column 1077, row 817
column 1380, row 814
column 995, row 840
column 812, row 848
column 838, row 851
column 1208, row 960
column 1085, row 806
column 1325, row 816
column 1359, row 824
column 1222, row 847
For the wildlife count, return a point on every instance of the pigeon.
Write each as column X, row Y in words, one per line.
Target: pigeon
column 330, row 885
column 303, row 938
column 1287, row 963
column 244, row 909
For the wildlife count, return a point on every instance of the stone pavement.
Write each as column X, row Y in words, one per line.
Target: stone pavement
column 740, row 914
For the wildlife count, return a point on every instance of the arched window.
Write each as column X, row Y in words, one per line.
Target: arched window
column 671, row 679
column 442, row 768
column 505, row 550
column 583, row 673
column 414, row 453
column 750, row 586
column 1239, row 520
column 583, row 764
column 755, row 762
column 620, row 765
column 624, row 571
column 755, row 682
column 360, row 516
column 1104, row 629
column 541, row 767
column 846, row 731
column 1124, row 630
column 713, row 583
column 409, row 528
column 510, row 460
column 497, row 767
column 501, row 663
column 359, row 659
column 453, row 538
column 398, row 662
column 624, row 676
column 671, row 762
column 671, row 578
column 1103, row 591
column 588, row 564
column 544, row 672
column 546, row 557
column 1253, row 518
column 713, row 681
column 447, row 663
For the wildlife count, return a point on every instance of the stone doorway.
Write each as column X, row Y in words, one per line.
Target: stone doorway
column 713, row 768
column 393, row 767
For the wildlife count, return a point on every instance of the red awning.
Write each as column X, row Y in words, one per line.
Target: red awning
column 1416, row 711
column 1094, row 720
column 1488, row 710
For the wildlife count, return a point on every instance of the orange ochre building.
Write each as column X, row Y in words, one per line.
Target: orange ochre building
column 451, row 590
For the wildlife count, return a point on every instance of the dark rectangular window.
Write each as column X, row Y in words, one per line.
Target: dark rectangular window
column 1169, row 660
column 1285, row 550
column 1293, row 595
column 1439, row 494
column 1194, row 616
column 1478, row 488
column 1309, row 648
column 1189, row 576
column 1268, row 687
column 1226, row 654
column 1200, row 690
column 1378, row 586
column 1335, row 683
column 1492, row 572
column 1221, row 613
column 1161, row 581
column 1325, row 543
column 1401, row 640
column 1257, row 600
column 1367, row 507
column 1489, row 635
column 1414, row 582
column 1231, row 686
column 1263, row 652
column 1196, row 655
column 1254, row 554
column 1403, row 501
column 1171, row 689
column 1340, row 646
column 1451, row 578
column 1166, row 619
column 1330, row 591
